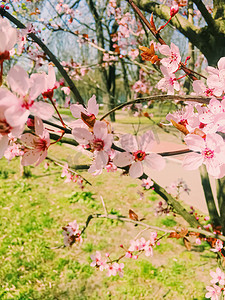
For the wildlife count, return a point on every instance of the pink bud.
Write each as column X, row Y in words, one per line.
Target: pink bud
column 107, row 254
column 174, row 10
column 128, row 255
column 30, row 123
column 135, row 257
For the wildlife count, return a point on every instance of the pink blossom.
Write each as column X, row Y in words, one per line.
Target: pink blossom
column 137, row 155
column 200, row 89
column 27, row 90
column 112, row 269
column 218, row 246
column 66, row 90
column 216, row 79
column 169, row 83
column 49, row 83
column 128, row 254
column 172, row 62
column 214, row 292
column 142, row 245
column 36, row 145
column 67, row 174
column 198, row 241
column 7, row 129
column 91, row 110
column 98, row 262
column 100, row 141
column 72, row 233
column 140, row 87
column 174, row 10
column 12, row 151
column 147, row 183
column 133, row 53
column 8, row 37
column 218, row 276
column 209, row 151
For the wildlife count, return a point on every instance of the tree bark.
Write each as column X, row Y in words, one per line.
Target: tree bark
column 210, row 40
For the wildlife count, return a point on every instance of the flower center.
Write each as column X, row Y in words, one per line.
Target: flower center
column 5, row 128
column 98, row 144
column 27, row 102
column 208, row 92
column 183, row 122
column 41, row 145
column 208, row 153
column 173, row 56
column 139, row 155
column 171, row 81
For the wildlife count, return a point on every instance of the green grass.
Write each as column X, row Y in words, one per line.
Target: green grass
column 32, row 213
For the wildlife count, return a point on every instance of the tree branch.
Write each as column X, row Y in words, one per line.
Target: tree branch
column 205, row 13
column 182, row 24
column 199, row 99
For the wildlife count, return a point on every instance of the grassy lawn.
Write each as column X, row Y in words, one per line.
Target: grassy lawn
column 33, row 211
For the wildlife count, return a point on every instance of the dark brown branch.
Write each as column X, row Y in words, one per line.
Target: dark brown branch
column 199, row 99
column 124, row 219
column 205, row 13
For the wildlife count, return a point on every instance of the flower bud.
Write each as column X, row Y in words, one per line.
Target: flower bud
column 174, row 10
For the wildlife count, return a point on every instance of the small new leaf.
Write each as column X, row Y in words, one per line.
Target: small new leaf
column 187, row 244
column 149, row 54
column 132, row 215
column 180, row 127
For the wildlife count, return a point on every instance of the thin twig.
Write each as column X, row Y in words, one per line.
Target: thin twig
column 104, row 206
column 199, row 99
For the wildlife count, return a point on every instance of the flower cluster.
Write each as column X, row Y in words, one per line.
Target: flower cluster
column 71, row 176
column 141, row 245
column 112, row 268
column 72, row 234
column 218, row 285
column 177, row 187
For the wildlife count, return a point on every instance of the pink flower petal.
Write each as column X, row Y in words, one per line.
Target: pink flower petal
column 194, row 142
column 192, row 161
column 37, row 83
column 100, row 130
column 147, row 141
column 30, row 157
column 3, row 144
column 42, row 110
column 129, row 143
column 93, row 106
column 29, row 139
column 82, row 135
column 38, row 125
column 136, row 169
column 76, row 110
column 18, row 80
column 123, row 159
column 154, row 161
column 16, row 115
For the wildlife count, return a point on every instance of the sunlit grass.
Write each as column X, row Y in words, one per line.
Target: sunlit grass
column 33, row 211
